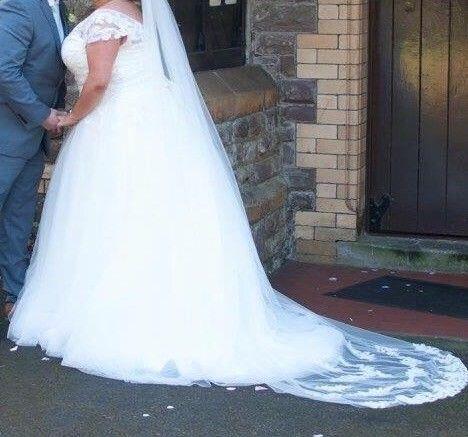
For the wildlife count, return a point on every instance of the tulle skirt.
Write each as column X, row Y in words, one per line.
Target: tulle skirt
column 145, row 270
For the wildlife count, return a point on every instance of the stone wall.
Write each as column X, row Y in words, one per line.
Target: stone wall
column 334, row 146
column 317, row 52
column 274, row 28
column 243, row 102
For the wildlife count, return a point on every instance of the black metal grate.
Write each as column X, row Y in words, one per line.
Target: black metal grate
column 213, row 31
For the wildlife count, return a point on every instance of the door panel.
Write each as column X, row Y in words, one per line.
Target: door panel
column 418, row 118
column 405, row 112
column 457, row 168
column 433, row 116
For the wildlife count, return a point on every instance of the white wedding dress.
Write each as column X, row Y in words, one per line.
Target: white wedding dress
column 145, row 269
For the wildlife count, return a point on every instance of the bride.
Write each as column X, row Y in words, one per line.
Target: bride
column 145, row 269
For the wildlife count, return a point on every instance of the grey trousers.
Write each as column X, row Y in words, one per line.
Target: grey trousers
column 19, row 180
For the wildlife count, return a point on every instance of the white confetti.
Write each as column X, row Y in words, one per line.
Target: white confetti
column 170, row 407
column 146, row 415
column 45, row 359
column 260, row 388
column 333, row 279
column 14, row 349
column 230, row 388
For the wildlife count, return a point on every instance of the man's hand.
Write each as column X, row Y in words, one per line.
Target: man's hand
column 51, row 123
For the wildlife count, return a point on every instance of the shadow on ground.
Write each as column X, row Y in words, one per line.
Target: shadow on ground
column 42, row 398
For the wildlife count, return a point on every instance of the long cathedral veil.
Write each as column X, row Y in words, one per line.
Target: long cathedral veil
column 364, row 368
column 167, row 45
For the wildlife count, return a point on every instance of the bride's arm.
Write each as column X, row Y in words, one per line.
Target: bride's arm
column 101, row 57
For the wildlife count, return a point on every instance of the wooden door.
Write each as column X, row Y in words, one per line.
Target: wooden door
column 418, row 116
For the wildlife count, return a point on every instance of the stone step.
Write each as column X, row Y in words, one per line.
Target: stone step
column 405, row 253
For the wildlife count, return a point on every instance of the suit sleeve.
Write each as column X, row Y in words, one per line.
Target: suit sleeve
column 16, row 33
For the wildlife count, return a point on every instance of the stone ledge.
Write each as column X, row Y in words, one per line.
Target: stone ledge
column 235, row 92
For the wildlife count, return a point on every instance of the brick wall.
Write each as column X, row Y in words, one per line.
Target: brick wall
column 334, row 144
column 274, row 27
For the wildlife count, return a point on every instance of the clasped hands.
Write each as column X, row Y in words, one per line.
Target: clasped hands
column 57, row 120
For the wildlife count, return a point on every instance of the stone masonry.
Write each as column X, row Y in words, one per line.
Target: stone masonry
column 273, row 29
column 334, row 144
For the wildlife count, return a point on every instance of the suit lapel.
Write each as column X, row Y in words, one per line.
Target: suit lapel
column 47, row 11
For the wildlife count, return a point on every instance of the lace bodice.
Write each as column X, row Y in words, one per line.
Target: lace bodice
column 103, row 25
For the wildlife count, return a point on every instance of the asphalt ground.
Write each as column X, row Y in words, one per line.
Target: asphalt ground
column 42, row 398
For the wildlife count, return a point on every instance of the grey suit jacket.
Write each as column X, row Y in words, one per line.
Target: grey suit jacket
column 31, row 74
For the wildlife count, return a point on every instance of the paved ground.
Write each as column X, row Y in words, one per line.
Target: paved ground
column 309, row 285
column 41, row 398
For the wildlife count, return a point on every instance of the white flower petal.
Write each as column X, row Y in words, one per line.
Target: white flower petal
column 14, row 349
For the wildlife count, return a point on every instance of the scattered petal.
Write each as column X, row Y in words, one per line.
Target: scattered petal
column 230, row 388
column 170, row 407
column 45, row 359
column 14, row 349
column 146, row 415
column 333, row 279
column 260, row 388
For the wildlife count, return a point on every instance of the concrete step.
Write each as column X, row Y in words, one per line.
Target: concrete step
column 405, row 253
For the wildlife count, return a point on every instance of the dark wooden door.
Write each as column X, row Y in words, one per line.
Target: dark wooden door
column 418, row 116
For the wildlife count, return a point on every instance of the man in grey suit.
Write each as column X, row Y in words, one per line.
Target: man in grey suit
column 31, row 86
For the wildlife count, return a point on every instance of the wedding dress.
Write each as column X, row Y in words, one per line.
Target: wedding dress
column 145, row 269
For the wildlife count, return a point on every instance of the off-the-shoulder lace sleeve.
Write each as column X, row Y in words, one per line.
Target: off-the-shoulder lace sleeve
column 107, row 24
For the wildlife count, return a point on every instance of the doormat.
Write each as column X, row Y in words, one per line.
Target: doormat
column 410, row 294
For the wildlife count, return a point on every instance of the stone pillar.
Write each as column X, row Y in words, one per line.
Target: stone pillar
column 336, row 56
